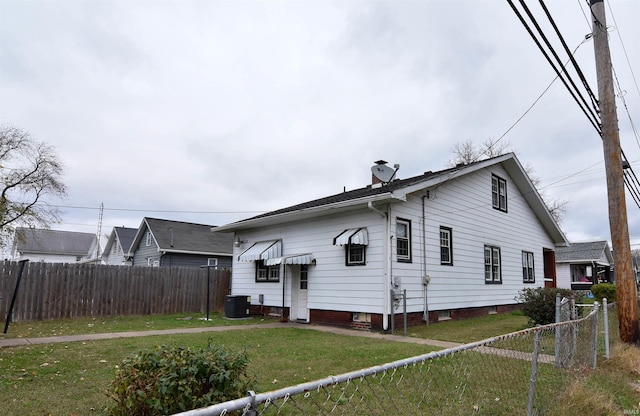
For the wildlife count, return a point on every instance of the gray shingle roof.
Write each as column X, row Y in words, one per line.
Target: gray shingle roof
column 588, row 251
column 32, row 240
column 357, row 193
column 189, row 237
column 125, row 236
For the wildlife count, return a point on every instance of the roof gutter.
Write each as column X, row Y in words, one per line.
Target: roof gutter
column 305, row 212
column 200, row 253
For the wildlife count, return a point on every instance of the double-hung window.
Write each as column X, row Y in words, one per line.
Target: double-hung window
column 403, row 240
column 355, row 241
column 499, row 193
column 266, row 273
column 492, row 269
column 446, row 246
column 528, row 271
column 355, row 255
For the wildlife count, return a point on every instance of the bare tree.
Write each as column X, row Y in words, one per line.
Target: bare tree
column 30, row 173
column 467, row 152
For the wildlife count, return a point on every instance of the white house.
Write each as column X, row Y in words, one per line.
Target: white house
column 51, row 246
column 460, row 242
column 581, row 265
column 118, row 245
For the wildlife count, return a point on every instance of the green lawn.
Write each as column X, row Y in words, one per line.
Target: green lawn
column 87, row 325
column 70, row 378
column 65, row 379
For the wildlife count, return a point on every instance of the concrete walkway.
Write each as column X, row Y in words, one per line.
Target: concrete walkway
column 15, row 342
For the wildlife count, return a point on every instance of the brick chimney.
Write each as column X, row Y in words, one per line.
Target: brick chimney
column 374, row 178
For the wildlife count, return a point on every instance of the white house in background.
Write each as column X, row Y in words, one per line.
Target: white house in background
column 581, row 265
column 118, row 245
column 51, row 246
column 460, row 242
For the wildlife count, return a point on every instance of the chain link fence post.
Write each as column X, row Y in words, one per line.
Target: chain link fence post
column 605, row 315
column 594, row 347
column 534, row 373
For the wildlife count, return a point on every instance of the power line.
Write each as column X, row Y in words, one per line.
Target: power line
column 152, row 210
column 623, row 48
column 582, row 103
column 632, row 185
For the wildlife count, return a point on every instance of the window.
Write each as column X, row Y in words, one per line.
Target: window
column 355, row 255
column 148, row 238
column 403, row 240
column 446, row 247
column 499, row 193
column 528, row 271
column 444, row 315
column 581, row 273
column 492, row 269
column 212, row 261
column 355, row 242
column 267, row 273
column 304, row 276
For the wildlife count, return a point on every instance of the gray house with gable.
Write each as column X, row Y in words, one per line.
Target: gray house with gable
column 160, row 242
column 581, row 265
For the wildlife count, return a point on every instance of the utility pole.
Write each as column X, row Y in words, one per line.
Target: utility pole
column 625, row 279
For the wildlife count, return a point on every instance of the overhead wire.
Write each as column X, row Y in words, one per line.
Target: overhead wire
column 631, row 182
column 624, row 49
column 582, row 103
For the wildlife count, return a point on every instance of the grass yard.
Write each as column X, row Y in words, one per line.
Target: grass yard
column 70, row 379
column 87, row 325
column 470, row 330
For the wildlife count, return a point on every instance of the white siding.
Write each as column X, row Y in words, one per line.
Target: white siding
column 563, row 275
column 465, row 206
column 115, row 255
column 462, row 204
column 332, row 285
column 49, row 258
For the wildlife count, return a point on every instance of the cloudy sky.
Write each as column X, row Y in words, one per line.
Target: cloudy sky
column 214, row 111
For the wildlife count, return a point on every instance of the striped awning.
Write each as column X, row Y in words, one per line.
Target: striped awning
column 262, row 250
column 291, row 259
column 357, row 236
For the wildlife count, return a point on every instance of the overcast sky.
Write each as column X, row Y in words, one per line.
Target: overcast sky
column 215, row 111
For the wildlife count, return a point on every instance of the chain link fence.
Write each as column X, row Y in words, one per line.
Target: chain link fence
column 518, row 373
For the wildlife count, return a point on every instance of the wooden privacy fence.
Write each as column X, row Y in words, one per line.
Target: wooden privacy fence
column 54, row 291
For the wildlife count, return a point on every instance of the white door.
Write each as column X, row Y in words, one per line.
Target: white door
column 300, row 282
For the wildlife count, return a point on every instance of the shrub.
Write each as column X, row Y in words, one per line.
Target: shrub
column 604, row 290
column 172, row 379
column 539, row 304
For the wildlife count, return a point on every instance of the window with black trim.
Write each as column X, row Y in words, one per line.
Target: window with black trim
column 356, row 255
column 403, row 240
column 492, row 269
column 499, row 193
column 446, row 246
column 266, row 273
column 304, row 277
column 528, row 270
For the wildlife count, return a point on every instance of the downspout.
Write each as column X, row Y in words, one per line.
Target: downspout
column 385, row 293
column 425, row 282
column 284, row 278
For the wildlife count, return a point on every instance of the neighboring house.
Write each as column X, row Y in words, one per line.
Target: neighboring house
column 581, row 265
column 173, row 243
column 51, row 246
column 118, row 245
column 461, row 242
